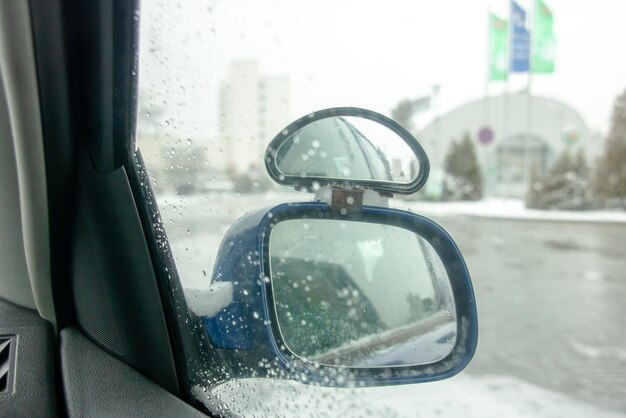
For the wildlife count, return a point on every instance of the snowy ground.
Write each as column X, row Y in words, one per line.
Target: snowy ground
column 509, row 209
column 463, row 396
column 486, row 208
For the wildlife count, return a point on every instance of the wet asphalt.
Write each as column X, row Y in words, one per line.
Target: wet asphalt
column 551, row 300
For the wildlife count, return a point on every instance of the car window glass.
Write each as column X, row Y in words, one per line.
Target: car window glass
column 526, row 175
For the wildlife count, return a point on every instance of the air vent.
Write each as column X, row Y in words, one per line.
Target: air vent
column 7, row 364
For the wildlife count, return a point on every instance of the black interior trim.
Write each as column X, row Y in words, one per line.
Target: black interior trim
column 59, row 144
column 126, row 317
column 86, row 55
column 87, row 62
column 51, row 64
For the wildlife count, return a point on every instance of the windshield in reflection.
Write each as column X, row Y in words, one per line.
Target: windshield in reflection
column 332, row 147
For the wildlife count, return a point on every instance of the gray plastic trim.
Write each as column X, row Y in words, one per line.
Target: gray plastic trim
column 14, row 281
column 97, row 384
column 17, row 66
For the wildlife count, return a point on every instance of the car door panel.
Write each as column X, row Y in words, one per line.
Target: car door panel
column 97, row 384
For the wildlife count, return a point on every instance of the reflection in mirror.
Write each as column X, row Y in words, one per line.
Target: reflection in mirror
column 347, row 147
column 356, row 294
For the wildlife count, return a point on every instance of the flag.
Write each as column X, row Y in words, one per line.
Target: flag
column 498, row 31
column 520, row 40
column 543, row 40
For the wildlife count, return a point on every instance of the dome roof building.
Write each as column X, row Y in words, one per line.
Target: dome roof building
column 517, row 137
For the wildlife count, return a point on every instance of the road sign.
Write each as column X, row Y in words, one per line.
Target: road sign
column 485, row 135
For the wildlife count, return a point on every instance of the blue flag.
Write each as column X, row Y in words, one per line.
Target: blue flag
column 520, row 40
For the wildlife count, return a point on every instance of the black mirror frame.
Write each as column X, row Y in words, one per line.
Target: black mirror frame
column 465, row 304
column 381, row 186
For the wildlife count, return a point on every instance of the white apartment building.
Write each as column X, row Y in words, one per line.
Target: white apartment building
column 253, row 108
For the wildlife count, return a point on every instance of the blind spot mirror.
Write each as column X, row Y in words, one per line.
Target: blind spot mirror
column 347, row 146
column 357, row 294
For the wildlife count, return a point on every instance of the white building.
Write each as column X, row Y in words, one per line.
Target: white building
column 253, row 108
column 516, row 137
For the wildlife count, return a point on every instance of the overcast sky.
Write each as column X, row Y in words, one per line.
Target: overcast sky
column 367, row 53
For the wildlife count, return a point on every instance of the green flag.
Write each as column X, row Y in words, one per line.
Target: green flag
column 543, row 41
column 498, row 48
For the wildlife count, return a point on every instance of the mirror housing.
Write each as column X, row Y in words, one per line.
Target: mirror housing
column 245, row 332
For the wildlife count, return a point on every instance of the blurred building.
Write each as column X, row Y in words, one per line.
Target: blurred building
column 253, row 108
column 174, row 168
column 517, row 137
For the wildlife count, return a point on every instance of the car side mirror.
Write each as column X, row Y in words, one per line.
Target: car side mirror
column 341, row 292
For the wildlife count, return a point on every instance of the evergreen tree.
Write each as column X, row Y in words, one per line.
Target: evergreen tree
column 463, row 178
column 565, row 187
column 609, row 180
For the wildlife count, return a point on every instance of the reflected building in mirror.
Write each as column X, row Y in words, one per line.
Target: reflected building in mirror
column 253, row 108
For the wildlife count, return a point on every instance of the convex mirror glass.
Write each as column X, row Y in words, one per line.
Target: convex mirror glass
column 359, row 294
column 347, row 146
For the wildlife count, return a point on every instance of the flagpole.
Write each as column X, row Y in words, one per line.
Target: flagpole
column 488, row 62
column 505, row 118
column 505, row 94
column 529, row 127
column 486, row 110
column 529, row 107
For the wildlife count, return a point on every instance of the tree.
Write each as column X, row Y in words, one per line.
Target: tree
column 463, row 176
column 565, row 187
column 609, row 180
